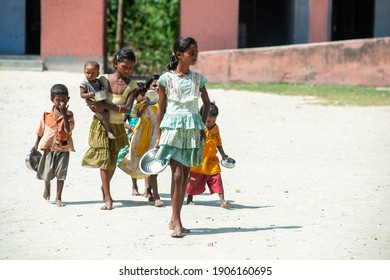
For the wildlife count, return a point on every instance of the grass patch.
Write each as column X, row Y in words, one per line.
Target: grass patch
column 328, row 94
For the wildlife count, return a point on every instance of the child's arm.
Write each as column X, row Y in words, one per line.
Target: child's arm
column 222, row 152
column 35, row 147
column 160, row 113
column 206, row 109
column 86, row 95
column 141, row 111
column 63, row 110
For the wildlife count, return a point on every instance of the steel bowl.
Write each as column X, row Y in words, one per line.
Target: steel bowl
column 152, row 96
column 100, row 95
column 149, row 165
column 32, row 160
column 228, row 162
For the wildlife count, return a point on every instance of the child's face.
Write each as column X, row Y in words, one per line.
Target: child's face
column 60, row 100
column 91, row 73
column 210, row 122
column 153, row 85
column 125, row 67
column 190, row 55
column 141, row 97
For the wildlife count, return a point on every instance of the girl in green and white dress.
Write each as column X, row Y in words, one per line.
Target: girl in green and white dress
column 179, row 127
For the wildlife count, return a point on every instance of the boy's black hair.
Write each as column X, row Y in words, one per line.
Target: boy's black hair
column 93, row 63
column 58, row 89
column 213, row 110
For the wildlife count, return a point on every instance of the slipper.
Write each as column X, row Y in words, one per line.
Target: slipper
column 158, row 203
column 105, row 207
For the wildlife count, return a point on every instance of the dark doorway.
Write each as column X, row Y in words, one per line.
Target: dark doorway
column 263, row 23
column 352, row 19
column 33, row 26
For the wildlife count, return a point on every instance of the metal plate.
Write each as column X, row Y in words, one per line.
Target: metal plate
column 149, row 165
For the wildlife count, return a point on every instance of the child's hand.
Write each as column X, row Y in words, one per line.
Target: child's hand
column 91, row 95
column 34, row 149
column 63, row 108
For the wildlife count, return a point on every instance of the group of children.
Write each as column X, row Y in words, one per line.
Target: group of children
column 186, row 138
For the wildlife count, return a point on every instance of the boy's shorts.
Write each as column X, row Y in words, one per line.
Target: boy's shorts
column 53, row 165
column 197, row 183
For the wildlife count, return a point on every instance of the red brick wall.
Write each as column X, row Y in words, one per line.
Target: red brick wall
column 213, row 23
column 72, row 27
column 353, row 62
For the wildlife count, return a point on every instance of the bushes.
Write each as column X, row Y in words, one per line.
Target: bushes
column 150, row 28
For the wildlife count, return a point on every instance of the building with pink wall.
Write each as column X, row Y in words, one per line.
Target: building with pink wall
column 231, row 24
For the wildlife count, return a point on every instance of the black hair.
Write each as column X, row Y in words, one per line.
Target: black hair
column 150, row 79
column 124, row 54
column 180, row 45
column 93, row 63
column 58, row 89
column 213, row 110
column 141, row 88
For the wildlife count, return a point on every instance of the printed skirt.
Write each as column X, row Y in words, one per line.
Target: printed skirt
column 103, row 152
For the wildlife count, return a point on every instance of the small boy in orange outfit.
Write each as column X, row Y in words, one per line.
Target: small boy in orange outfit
column 210, row 171
column 54, row 135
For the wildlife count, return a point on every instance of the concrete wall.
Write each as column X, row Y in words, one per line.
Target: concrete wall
column 12, row 27
column 213, row 23
column 354, row 62
column 72, row 32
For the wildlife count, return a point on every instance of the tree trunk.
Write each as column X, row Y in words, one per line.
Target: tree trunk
column 119, row 27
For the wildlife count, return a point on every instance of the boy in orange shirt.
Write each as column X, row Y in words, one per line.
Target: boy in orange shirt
column 210, row 171
column 54, row 138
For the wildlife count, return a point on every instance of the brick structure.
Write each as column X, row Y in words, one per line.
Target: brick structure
column 72, row 32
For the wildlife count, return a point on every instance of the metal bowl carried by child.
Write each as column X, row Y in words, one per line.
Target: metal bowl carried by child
column 149, row 165
column 32, row 160
column 228, row 162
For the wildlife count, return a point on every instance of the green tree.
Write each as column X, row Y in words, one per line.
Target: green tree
column 150, row 28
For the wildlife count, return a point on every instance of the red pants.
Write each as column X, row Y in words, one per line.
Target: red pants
column 197, row 183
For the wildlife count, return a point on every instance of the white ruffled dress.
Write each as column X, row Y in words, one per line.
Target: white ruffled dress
column 181, row 124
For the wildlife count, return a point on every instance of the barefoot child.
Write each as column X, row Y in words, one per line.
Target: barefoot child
column 103, row 151
column 179, row 126
column 209, row 172
column 55, row 137
column 90, row 86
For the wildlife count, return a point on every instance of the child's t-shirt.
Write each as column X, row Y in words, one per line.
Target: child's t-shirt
column 210, row 162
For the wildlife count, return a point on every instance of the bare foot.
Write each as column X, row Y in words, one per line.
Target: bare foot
column 134, row 191
column 46, row 193
column 107, row 206
column 59, row 203
column 225, row 204
column 183, row 229
column 111, row 135
column 158, row 203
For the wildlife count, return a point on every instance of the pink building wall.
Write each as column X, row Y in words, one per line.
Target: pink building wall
column 363, row 62
column 318, row 20
column 72, row 32
column 213, row 23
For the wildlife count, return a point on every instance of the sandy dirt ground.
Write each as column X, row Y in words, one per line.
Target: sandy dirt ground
column 311, row 182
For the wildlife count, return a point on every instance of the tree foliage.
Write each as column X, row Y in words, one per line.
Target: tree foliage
column 150, row 28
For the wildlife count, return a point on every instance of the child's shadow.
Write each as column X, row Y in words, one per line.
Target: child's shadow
column 233, row 206
column 204, row 231
column 117, row 203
